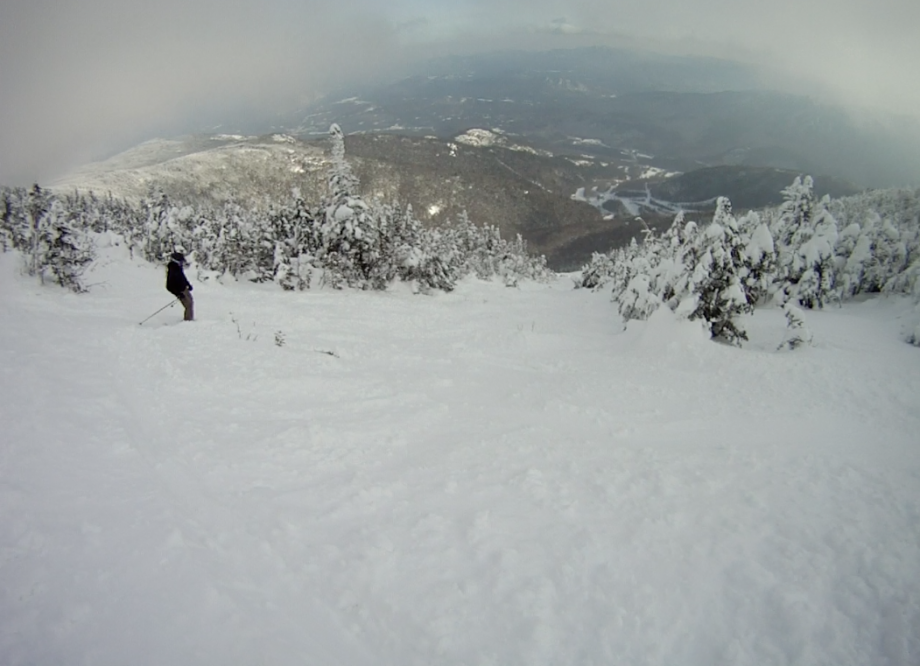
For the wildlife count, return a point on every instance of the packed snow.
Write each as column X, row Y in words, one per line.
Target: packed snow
column 489, row 476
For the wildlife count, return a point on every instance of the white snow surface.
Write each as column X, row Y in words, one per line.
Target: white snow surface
column 491, row 476
column 478, row 137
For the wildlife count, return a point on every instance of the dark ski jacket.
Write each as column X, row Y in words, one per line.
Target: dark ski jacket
column 176, row 282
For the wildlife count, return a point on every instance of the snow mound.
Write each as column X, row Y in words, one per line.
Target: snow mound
column 666, row 333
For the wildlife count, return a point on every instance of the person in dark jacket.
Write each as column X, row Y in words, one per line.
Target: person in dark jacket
column 178, row 285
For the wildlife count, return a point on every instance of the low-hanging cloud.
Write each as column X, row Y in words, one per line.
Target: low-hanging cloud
column 80, row 79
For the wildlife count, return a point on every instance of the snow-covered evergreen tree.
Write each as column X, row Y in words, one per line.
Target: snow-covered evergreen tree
column 759, row 269
column 854, row 253
column 890, row 256
column 65, row 248
column 795, row 253
column 816, row 283
column 409, row 252
column 911, row 324
column 209, row 239
column 793, row 224
column 431, row 263
column 625, row 267
column 6, row 226
column 349, row 248
column 638, row 300
column 37, row 204
column 596, row 273
column 163, row 227
column 797, row 333
column 296, row 239
column 54, row 243
column 792, row 228
column 715, row 280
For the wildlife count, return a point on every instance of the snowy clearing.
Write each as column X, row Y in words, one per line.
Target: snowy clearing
column 490, row 476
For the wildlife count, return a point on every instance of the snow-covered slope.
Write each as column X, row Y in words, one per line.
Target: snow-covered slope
column 491, row 476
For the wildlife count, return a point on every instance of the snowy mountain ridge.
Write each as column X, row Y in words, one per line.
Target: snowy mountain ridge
column 505, row 183
column 218, row 168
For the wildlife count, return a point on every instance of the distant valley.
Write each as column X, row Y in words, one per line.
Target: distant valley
column 676, row 114
column 566, row 148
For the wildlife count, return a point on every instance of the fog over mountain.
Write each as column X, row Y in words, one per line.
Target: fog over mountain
column 81, row 81
column 680, row 113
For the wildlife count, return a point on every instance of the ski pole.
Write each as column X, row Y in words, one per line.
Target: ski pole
column 170, row 304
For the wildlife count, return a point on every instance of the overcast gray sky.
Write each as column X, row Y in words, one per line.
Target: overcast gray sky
column 79, row 79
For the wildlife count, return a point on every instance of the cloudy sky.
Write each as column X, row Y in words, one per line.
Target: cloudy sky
column 81, row 79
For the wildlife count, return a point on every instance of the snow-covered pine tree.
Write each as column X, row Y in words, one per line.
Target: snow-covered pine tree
column 93, row 215
column 759, row 271
column 20, row 222
column 814, row 263
column 890, row 255
column 908, row 280
column 208, row 239
column 638, row 300
column 37, row 204
column 239, row 238
column 516, row 263
column 670, row 269
column 262, row 237
column 401, row 243
column 715, row 280
column 797, row 333
column 349, row 248
column 469, row 248
column 795, row 213
column 296, row 241
column 623, row 267
column 49, row 234
column 685, row 250
column 434, row 269
column 122, row 217
column 853, row 254
column 792, row 228
column 160, row 236
column 651, row 272
column 911, row 322
column 6, row 217
column 65, row 248
column 596, row 273
column 816, row 283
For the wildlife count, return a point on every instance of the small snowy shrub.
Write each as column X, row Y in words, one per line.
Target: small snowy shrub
column 797, row 334
column 637, row 301
column 912, row 327
column 596, row 273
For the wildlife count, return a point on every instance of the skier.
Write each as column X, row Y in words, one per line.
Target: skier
column 178, row 285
